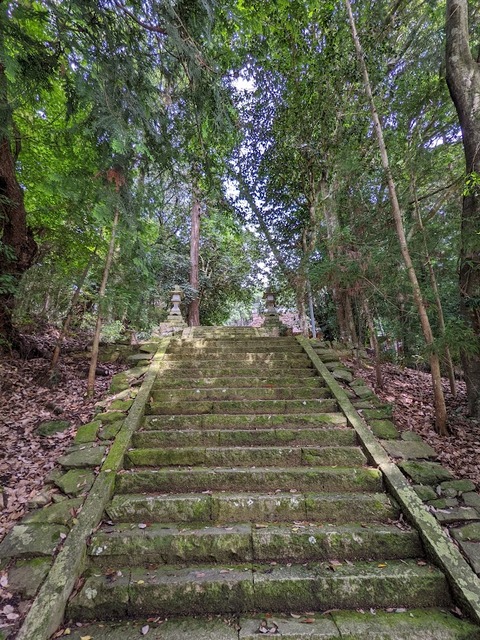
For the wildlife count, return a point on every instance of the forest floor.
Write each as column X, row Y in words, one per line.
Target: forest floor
column 26, row 400
column 410, row 391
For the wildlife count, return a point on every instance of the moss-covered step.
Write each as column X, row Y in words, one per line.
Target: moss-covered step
column 225, row 589
column 228, row 369
column 246, row 456
column 263, row 479
column 60, row 513
column 175, row 382
column 244, row 421
column 129, row 545
column 241, row 393
column 180, row 629
column 240, row 437
column 243, row 406
column 243, row 358
column 242, row 347
column 334, row 508
column 414, row 624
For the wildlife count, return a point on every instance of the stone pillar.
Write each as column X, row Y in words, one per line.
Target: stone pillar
column 175, row 318
column 272, row 320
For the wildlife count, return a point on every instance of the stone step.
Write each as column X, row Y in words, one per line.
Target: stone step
column 228, row 508
column 414, row 624
column 245, row 457
column 260, row 346
column 241, row 393
column 127, row 545
column 243, row 358
column 241, row 437
column 174, row 382
column 170, row 590
column 242, row 407
column 228, row 370
column 242, row 421
column 263, row 479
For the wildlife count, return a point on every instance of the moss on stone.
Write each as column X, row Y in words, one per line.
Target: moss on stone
column 26, row 576
column 87, row 432
column 50, row 427
column 75, row 481
column 429, row 473
column 61, row 513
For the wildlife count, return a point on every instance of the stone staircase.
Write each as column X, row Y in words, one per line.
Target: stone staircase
column 247, row 499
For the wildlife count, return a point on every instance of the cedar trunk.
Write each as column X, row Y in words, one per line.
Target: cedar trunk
column 194, row 307
column 463, row 79
column 17, row 246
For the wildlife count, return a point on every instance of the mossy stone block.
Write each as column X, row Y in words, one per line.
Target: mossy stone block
column 468, row 533
column 26, row 576
column 430, row 473
column 50, row 427
column 443, row 503
column 459, row 486
column 90, row 456
column 384, row 429
column 60, row 513
column 87, row 432
column 342, row 374
column 380, row 413
column 76, row 481
column 32, row 540
column 424, row 492
column 456, row 514
column 119, row 383
column 409, row 625
column 121, row 405
column 409, row 450
column 472, row 500
column 109, row 431
column 110, row 416
column 472, row 551
column 411, row 436
column 182, row 629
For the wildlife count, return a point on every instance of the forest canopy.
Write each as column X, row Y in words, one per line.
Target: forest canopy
column 330, row 148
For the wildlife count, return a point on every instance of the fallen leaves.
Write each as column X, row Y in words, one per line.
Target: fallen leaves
column 411, row 393
column 28, row 457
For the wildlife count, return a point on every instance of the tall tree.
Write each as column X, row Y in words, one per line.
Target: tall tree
column 463, row 78
column 439, row 400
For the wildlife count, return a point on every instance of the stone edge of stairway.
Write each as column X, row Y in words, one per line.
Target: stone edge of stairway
column 463, row 581
column 48, row 607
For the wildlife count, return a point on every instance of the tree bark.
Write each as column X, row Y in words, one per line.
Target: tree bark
column 101, row 296
column 194, row 307
column 17, row 245
column 374, row 342
column 463, row 79
column 439, row 400
column 436, row 293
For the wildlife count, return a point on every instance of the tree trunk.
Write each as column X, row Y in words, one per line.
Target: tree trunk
column 17, row 246
column 310, row 309
column 463, row 79
column 70, row 312
column 194, row 307
column 300, row 291
column 374, row 342
column 101, row 296
column 439, row 400
column 436, row 293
